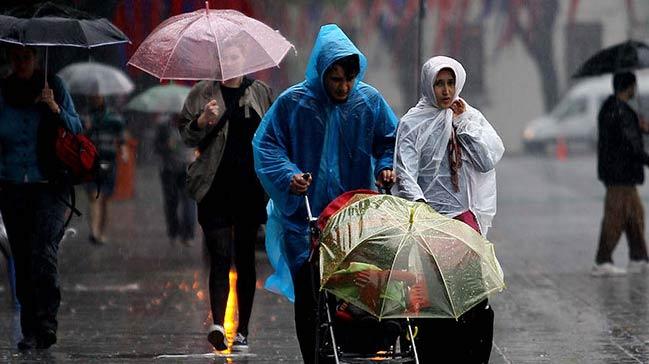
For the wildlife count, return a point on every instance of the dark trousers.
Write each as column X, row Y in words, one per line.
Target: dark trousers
column 34, row 217
column 175, row 196
column 623, row 212
column 467, row 340
column 306, row 307
column 225, row 245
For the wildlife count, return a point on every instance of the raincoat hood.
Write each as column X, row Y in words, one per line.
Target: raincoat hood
column 429, row 73
column 331, row 45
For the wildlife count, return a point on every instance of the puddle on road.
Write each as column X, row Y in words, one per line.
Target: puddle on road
column 206, row 355
column 107, row 288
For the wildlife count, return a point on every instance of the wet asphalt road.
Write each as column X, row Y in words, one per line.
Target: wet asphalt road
column 140, row 299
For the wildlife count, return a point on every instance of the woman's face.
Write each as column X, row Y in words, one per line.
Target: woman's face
column 232, row 59
column 444, row 88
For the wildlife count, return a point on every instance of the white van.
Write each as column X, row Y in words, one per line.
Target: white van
column 575, row 118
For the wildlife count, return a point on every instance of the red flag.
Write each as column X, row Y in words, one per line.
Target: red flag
column 572, row 11
column 156, row 14
column 176, row 7
column 239, row 5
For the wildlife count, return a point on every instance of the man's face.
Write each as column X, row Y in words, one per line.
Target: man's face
column 96, row 102
column 23, row 62
column 632, row 90
column 337, row 84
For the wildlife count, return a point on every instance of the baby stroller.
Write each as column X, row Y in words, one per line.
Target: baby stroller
column 347, row 333
column 383, row 261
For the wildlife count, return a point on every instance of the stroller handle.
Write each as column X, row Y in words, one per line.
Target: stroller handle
column 314, row 232
column 307, row 176
column 386, row 189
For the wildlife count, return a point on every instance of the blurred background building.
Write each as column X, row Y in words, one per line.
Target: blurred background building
column 519, row 54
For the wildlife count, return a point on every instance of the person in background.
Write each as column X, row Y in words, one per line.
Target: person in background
column 445, row 156
column 33, row 206
column 620, row 166
column 174, row 159
column 105, row 127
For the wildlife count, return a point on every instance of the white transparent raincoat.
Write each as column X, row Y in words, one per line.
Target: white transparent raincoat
column 421, row 160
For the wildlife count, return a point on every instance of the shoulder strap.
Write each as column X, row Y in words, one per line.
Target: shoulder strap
column 72, row 205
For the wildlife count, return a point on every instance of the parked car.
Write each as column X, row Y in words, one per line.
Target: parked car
column 574, row 119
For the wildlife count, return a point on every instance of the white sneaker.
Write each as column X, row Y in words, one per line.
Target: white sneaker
column 606, row 270
column 638, row 266
column 216, row 337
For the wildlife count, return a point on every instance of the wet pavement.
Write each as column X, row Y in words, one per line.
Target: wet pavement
column 140, row 299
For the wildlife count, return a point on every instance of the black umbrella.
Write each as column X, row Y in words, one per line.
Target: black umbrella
column 49, row 24
column 627, row 56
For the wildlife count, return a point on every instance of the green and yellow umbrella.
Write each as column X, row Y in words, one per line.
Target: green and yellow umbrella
column 395, row 258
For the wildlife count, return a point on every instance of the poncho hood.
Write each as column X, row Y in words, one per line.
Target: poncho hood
column 331, row 45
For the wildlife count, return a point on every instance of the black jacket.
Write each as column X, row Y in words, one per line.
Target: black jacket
column 620, row 150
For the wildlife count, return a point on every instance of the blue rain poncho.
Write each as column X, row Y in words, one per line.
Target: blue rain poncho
column 343, row 145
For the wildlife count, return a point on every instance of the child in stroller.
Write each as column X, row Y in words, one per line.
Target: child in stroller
column 359, row 334
column 359, row 330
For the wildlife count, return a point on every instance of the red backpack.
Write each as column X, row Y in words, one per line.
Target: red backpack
column 77, row 155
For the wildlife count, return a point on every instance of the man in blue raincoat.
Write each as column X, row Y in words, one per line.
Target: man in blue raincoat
column 341, row 131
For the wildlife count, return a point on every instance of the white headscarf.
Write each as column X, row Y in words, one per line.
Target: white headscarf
column 422, row 141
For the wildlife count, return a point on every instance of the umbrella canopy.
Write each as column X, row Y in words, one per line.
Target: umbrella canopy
column 48, row 24
column 89, row 78
column 210, row 45
column 395, row 258
column 627, row 56
column 160, row 99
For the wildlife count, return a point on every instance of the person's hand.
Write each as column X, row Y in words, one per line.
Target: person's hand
column 209, row 115
column 386, row 179
column 47, row 97
column 374, row 278
column 419, row 296
column 124, row 153
column 644, row 125
column 87, row 121
column 458, row 107
column 299, row 185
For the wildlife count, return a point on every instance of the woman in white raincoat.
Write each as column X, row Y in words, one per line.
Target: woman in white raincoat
column 445, row 156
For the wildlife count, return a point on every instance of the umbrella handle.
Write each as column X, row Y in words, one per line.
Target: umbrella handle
column 45, row 70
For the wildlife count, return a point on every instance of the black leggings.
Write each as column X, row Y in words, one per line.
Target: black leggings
column 225, row 245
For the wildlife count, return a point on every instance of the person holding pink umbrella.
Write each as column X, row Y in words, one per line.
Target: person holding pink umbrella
column 219, row 118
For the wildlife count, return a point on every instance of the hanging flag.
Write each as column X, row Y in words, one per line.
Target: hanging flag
column 572, row 11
